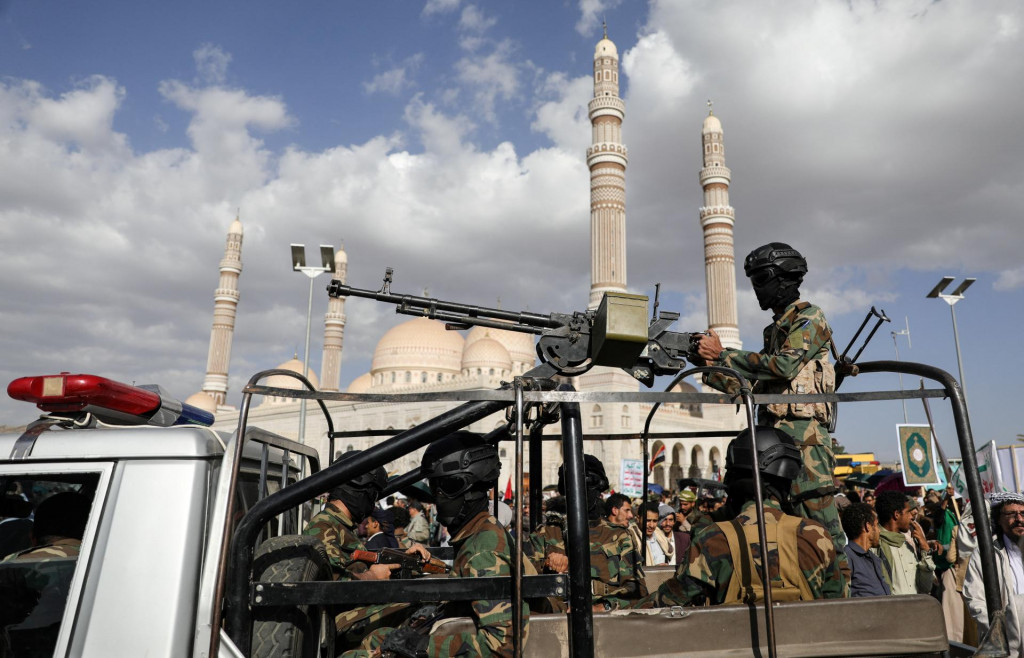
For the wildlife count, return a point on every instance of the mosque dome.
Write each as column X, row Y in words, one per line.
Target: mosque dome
column 605, row 48
column 284, row 381
column 236, row 227
column 203, row 401
column 521, row 348
column 711, row 125
column 340, row 257
column 360, row 384
column 487, row 353
column 420, row 344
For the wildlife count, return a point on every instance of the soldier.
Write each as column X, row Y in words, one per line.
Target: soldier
column 461, row 468
column 721, row 568
column 794, row 360
column 58, row 528
column 335, row 526
column 614, row 574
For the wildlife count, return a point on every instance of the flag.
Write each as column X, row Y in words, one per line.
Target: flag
column 915, row 443
column 508, row 489
column 657, row 458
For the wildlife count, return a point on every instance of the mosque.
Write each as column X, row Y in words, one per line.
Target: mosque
column 420, row 355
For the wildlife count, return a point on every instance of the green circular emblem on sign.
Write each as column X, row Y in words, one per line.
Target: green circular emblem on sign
column 917, row 451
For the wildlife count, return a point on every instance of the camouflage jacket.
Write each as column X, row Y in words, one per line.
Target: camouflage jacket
column 797, row 336
column 59, row 549
column 613, row 560
column 704, row 577
column 482, row 548
column 338, row 534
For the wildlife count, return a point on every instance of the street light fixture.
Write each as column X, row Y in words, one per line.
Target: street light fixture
column 951, row 299
column 299, row 265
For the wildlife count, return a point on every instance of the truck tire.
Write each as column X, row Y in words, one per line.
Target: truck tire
column 291, row 631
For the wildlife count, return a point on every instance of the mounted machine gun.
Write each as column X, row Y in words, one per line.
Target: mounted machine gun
column 616, row 334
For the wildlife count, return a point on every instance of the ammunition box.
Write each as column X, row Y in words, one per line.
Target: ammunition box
column 619, row 335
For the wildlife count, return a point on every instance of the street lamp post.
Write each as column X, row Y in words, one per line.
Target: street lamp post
column 902, row 332
column 299, row 265
column 951, row 299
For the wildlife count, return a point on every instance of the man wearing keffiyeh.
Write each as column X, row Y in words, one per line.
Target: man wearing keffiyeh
column 1008, row 531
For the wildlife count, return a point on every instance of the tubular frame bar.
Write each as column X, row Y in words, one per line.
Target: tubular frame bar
column 577, row 545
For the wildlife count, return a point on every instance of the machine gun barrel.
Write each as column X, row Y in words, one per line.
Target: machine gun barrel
column 468, row 314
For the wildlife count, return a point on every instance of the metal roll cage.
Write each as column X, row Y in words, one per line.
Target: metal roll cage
column 238, row 595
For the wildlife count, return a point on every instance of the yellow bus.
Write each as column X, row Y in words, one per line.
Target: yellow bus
column 863, row 463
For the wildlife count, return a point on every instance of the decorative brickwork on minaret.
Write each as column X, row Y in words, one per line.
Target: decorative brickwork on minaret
column 225, row 305
column 334, row 328
column 716, row 219
column 607, row 161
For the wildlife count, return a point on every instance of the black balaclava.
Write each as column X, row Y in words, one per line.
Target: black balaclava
column 778, row 292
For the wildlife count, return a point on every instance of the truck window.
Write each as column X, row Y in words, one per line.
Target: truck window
column 42, row 525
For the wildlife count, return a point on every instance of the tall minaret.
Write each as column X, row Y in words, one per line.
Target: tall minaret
column 225, row 304
column 717, row 218
column 607, row 160
column 334, row 328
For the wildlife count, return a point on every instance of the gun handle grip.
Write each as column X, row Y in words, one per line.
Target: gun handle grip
column 365, row 556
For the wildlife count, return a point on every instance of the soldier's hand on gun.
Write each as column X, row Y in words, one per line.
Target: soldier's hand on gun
column 710, row 346
column 419, row 548
column 379, row 572
column 557, row 562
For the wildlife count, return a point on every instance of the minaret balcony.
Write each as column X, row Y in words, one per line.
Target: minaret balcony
column 715, row 174
column 597, row 155
column 606, row 106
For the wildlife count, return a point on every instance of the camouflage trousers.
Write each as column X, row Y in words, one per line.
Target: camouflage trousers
column 818, row 473
column 356, row 624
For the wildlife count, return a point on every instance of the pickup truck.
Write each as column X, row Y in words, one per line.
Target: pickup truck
column 191, row 545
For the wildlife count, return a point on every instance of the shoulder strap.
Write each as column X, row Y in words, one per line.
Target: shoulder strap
column 789, row 557
column 742, row 578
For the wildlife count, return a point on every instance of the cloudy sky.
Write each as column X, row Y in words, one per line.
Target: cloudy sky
column 447, row 139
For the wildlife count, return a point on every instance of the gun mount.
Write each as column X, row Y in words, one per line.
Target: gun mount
column 616, row 334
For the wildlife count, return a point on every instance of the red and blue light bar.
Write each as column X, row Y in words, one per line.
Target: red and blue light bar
column 110, row 402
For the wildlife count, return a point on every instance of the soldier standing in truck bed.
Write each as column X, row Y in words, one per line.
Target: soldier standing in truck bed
column 794, row 361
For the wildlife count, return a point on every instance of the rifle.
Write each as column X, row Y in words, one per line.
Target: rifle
column 616, row 334
column 412, row 565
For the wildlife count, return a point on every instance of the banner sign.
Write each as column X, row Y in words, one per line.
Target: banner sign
column 916, row 455
column 631, row 478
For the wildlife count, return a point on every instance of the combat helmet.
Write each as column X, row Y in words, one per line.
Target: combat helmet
column 596, row 478
column 460, row 468
column 779, row 255
column 777, row 454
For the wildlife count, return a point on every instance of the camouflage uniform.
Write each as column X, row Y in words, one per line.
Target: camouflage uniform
column 59, row 549
column 337, row 531
column 613, row 560
column 483, row 549
column 799, row 336
column 704, row 577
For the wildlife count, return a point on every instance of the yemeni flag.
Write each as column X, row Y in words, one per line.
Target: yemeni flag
column 508, row 489
column 657, row 458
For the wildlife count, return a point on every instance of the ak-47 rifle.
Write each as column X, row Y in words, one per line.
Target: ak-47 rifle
column 411, row 565
column 616, row 334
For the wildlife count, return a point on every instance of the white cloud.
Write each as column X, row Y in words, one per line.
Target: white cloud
column 659, row 78
column 395, row 80
column 494, row 77
column 211, row 64
column 592, row 14
column 439, row 6
column 474, row 20
column 564, row 119
column 1010, row 279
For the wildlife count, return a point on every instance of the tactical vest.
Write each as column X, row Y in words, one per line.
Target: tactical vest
column 745, row 586
column 816, row 376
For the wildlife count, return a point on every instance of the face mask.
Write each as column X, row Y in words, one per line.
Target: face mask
column 767, row 293
column 360, row 502
column 448, row 509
